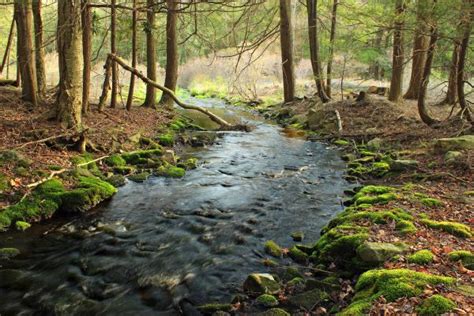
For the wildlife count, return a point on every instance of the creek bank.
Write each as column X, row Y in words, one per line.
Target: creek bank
column 404, row 242
column 92, row 180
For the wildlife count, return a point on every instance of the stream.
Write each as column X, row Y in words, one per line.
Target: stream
column 164, row 246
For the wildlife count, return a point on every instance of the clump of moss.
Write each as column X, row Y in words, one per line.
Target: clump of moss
column 214, row 307
column 141, row 157
column 339, row 244
column 6, row 253
column 380, row 169
column 273, row 249
column 117, row 180
column 297, row 255
column 85, row 161
column 453, row 228
column 431, row 202
column 167, row 139
column 391, row 284
column 274, row 312
column 115, row 160
column 373, row 194
column 4, row 183
column 353, row 214
column 139, row 177
column 406, row 227
column 465, row 256
column 178, row 125
column 124, row 170
column 341, row 142
column 170, row 171
column 21, row 225
column 421, row 257
column 189, row 164
column 267, row 300
column 148, row 143
column 435, row 305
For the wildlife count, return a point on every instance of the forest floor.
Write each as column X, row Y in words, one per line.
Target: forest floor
column 416, row 194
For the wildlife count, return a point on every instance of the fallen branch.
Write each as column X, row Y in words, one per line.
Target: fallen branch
column 148, row 81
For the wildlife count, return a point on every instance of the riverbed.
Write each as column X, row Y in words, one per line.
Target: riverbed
column 164, row 246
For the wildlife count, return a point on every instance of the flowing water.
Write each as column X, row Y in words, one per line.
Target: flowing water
column 166, row 245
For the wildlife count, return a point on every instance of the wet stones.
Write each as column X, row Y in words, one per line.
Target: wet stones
column 7, row 253
column 261, row 283
column 273, row 249
column 379, row 252
column 308, row 299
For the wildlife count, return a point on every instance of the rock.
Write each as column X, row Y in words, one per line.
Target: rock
column 7, row 253
column 298, row 255
column 308, row 299
column 444, row 145
column 261, row 283
column 374, row 144
column 378, row 252
column 169, row 156
column 135, row 138
column 267, row 300
column 453, row 157
column 273, row 249
column 214, row 307
column 323, row 120
column 403, row 164
column 274, row 312
column 297, row 236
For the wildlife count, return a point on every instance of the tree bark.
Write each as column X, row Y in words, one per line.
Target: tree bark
column 286, row 44
column 466, row 25
column 131, row 87
column 396, row 81
column 171, row 76
column 39, row 49
column 332, row 37
column 424, row 115
column 312, row 7
column 113, row 49
column 420, row 47
column 452, row 93
column 69, row 36
column 26, row 56
column 150, row 98
column 86, row 20
column 9, row 44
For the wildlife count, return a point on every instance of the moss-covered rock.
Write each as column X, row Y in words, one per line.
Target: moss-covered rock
column 373, row 194
column 403, row 165
column 298, row 255
column 261, row 283
column 309, row 299
column 115, row 160
column 274, row 312
column 117, row 180
column 443, row 145
column 170, row 171
column 453, row 228
column 167, row 139
column 297, row 236
column 379, row 252
column 379, row 169
column 267, row 300
column 188, row 164
column 148, row 143
column 435, row 305
column 273, row 249
column 141, row 157
column 21, row 225
column 406, row 227
column 421, row 257
column 431, row 202
column 6, row 253
column 465, row 256
column 139, row 177
column 214, row 307
column 124, row 170
column 391, row 284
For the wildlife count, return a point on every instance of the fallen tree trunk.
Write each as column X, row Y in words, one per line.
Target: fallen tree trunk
column 148, row 81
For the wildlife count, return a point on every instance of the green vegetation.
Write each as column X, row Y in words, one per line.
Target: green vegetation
column 391, row 284
column 297, row 255
column 465, row 256
column 170, row 171
column 139, row 177
column 406, row 227
column 115, row 160
column 421, row 257
column 431, row 202
column 6, row 253
column 273, row 249
column 167, row 139
column 453, row 228
column 20, row 225
column 435, row 305
column 267, row 300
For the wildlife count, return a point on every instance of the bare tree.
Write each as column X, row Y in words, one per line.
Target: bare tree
column 131, row 87
column 150, row 97
column 69, row 36
column 398, row 53
column 466, row 25
column 39, row 47
column 332, row 37
column 286, row 40
column 86, row 53
column 113, row 49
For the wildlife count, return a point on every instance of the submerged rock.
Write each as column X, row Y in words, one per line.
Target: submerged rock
column 261, row 283
column 7, row 253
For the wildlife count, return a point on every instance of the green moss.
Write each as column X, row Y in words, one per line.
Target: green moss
column 375, row 189
column 353, row 214
column 178, row 124
column 431, row 202
column 406, row 227
column 85, row 161
column 115, row 160
column 465, row 256
column 377, row 199
column 189, row 164
column 139, row 177
column 295, row 281
column 453, row 228
column 21, row 171
column 149, row 143
column 435, row 305
column 117, row 180
column 297, row 236
column 339, row 244
column 341, row 142
column 167, row 139
column 140, row 157
column 267, row 300
column 272, row 249
column 421, row 257
column 214, row 307
column 297, row 255
column 380, row 169
column 358, row 308
column 4, row 183
column 170, row 171
column 20, row 225
column 124, row 170
column 9, row 252
column 274, row 312
column 54, row 167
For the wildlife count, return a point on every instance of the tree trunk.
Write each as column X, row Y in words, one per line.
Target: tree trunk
column 150, row 98
column 451, row 94
column 374, row 69
column 286, row 44
column 9, row 44
column 39, row 49
column 332, row 37
column 466, row 25
column 420, row 46
column 113, row 49
column 86, row 53
column 69, row 36
column 131, row 87
column 171, row 77
column 396, row 81
column 26, row 56
column 424, row 115
column 312, row 7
